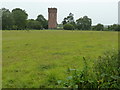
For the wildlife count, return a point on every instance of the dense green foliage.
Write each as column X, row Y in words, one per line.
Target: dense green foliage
column 39, row 59
column 114, row 27
column 17, row 20
column 106, row 73
column 80, row 24
column 98, row 27
column 33, row 24
column 43, row 21
column 69, row 20
column 107, row 70
column 7, row 19
column 68, row 27
column 84, row 23
column 20, row 18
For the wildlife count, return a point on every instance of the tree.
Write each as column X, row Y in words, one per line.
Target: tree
column 68, row 27
column 118, row 28
column 84, row 23
column 43, row 21
column 7, row 19
column 64, row 21
column 99, row 27
column 20, row 18
column 33, row 24
column 69, row 20
column 114, row 27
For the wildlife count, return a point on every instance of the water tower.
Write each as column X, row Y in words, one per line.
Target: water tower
column 52, row 18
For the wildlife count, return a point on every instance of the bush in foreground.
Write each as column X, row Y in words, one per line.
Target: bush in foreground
column 107, row 70
column 106, row 73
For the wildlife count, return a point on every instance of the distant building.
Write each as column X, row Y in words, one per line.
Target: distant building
column 52, row 18
column 119, row 12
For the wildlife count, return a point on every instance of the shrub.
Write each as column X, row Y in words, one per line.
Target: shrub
column 99, row 27
column 114, row 27
column 68, row 27
column 79, row 78
column 106, row 73
column 107, row 69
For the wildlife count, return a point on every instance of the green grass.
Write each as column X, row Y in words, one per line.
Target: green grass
column 37, row 58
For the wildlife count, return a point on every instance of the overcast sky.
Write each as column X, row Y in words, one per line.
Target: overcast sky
column 100, row 11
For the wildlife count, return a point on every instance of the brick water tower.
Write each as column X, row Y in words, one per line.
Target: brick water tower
column 52, row 18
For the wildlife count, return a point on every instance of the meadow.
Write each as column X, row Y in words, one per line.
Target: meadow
column 31, row 59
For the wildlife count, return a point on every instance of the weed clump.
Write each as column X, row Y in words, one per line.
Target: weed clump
column 105, row 73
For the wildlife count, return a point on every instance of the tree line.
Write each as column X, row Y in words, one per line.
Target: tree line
column 17, row 19
column 85, row 23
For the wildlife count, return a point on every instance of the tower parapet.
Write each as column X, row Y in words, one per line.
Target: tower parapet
column 52, row 10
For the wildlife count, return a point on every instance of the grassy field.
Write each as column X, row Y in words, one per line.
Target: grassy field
column 33, row 58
